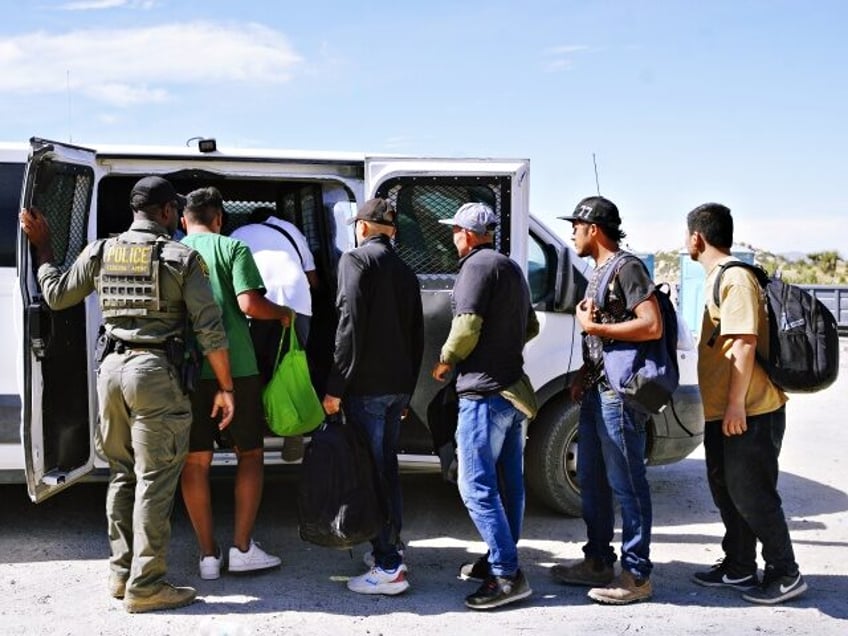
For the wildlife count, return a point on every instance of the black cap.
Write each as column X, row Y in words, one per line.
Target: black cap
column 154, row 191
column 376, row 211
column 596, row 210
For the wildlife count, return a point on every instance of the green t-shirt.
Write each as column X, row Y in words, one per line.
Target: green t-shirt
column 232, row 271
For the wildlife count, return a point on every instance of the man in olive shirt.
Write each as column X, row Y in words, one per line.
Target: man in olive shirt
column 148, row 287
column 745, row 417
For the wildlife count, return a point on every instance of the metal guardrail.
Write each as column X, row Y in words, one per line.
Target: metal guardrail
column 835, row 298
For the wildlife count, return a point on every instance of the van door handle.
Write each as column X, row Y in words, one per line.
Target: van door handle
column 40, row 326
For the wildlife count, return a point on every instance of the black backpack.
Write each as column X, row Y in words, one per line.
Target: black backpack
column 803, row 337
column 339, row 499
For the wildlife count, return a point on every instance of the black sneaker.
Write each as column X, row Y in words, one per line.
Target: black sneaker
column 476, row 570
column 499, row 590
column 718, row 576
column 776, row 590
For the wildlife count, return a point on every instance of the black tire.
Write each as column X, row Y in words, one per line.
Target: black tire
column 550, row 465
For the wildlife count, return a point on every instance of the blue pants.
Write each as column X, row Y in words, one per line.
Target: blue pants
column 378, row 416
column 611, row 462
column 490, row 453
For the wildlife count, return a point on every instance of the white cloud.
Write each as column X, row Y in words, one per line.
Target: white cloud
column 89, row 5
column 130, row 66
column 561, row 58
column 567, row 49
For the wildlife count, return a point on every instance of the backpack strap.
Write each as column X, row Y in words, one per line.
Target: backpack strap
column 619, row 259
column 759, row 273
column 289, row 237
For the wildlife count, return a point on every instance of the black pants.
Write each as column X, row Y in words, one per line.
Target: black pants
column 742, row 471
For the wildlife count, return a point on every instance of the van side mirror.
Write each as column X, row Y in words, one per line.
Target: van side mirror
column 571, row 282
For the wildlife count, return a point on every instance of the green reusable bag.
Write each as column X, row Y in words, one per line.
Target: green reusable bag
column 291, row 405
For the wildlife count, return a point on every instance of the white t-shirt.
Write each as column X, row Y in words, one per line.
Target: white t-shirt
column 279, row 263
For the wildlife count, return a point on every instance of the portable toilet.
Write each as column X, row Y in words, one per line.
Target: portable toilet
column 648, row 260
column 690, row 299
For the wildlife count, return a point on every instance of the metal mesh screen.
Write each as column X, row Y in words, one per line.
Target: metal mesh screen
column 302, row 208
column 64, row 200
column 424, row 243
column 238, row 213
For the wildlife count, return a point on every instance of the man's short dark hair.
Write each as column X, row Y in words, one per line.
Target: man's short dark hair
column 203, row 204
column 714, row 222
column 261, row 214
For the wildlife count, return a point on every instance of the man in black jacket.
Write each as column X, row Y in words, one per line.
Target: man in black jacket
column 379, row 345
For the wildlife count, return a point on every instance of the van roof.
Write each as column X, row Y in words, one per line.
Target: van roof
column 17, row 151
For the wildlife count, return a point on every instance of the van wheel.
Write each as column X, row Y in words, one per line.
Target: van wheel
column 551, row 457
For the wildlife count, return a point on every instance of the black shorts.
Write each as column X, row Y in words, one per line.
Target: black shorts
column 247, row 428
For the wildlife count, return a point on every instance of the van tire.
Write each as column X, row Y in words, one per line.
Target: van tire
column 551, row 457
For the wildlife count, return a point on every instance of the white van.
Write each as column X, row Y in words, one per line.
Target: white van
column 85, row 192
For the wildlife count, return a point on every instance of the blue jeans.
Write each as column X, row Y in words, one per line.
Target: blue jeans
column 611, row 461
column 378, row 416
column 490, row 454
column 742, row 471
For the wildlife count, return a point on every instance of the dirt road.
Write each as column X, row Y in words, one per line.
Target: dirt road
column 53, row 560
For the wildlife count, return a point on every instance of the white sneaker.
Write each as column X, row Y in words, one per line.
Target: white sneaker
column 254, row 559
column 380, row 581
column 210, row 567
column 368, row 557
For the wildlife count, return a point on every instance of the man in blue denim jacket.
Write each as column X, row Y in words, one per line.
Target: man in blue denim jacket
column 492, row 319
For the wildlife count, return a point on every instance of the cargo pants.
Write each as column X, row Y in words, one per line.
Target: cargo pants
column 145, row 421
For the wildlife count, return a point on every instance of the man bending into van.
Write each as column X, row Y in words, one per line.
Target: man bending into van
column 145, row 415
column 238, row 290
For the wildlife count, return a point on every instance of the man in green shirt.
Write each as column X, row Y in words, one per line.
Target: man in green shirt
column 239, row 291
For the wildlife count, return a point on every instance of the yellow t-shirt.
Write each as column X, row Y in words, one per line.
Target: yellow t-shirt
column 742, row 312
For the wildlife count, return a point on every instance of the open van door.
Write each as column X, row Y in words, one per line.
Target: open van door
column 423, row 192
column 57, row 401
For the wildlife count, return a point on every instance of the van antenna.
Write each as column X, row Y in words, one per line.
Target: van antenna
column 597, row 183
column 68, row 90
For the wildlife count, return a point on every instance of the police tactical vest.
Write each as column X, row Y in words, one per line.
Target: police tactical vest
column 128, row 284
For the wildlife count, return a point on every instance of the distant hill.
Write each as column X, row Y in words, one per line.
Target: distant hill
column 820, row 268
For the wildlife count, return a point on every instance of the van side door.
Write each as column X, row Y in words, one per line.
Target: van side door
column 57, row 403
column 424, row 191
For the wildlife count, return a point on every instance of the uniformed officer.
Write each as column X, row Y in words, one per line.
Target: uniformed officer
column 148, row 286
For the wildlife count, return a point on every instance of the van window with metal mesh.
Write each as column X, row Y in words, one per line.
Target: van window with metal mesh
column 427, row 245
column 64, row 197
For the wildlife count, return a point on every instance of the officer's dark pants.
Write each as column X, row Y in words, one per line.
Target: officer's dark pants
column 144, row 430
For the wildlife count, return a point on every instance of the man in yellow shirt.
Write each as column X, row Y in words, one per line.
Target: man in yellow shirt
column 745, row 420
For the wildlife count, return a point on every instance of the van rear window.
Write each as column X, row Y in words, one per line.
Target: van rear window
column 11, row 178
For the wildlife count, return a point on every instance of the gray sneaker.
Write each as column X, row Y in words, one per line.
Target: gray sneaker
column 589, row 572
column 499, row 590
column 477, row 570
column 167, row 597
column 777, row 590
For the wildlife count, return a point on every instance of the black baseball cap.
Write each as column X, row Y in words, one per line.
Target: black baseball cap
column 597, row 210
column 376, row 211
column 154, row 191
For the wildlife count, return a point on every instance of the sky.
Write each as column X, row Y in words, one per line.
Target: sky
column 744, row 102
